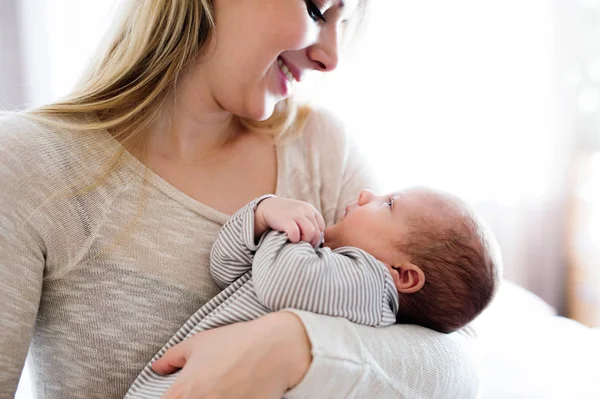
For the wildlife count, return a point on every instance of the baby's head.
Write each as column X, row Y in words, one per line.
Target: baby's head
column 444, row 262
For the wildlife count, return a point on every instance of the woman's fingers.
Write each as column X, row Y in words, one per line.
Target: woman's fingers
column 173, row 360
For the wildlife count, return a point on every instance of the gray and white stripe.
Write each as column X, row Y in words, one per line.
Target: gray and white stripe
column 275, row 274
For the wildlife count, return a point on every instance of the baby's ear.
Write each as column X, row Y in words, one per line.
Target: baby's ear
column 408, row 277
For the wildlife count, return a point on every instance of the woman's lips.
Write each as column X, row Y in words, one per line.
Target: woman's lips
column 286, row 79
column 287, row 70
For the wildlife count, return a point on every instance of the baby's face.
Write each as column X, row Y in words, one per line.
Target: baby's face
column 376, row 223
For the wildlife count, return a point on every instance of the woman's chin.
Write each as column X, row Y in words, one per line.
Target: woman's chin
column 260, row 111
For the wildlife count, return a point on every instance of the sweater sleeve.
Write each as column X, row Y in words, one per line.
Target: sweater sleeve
column 22, row 260
column 346, row 282
column 233, row 251
column 399, row 361
column 354, row 361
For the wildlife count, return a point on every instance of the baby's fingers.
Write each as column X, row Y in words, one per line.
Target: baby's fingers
column 320, row 221
column 307, row 229
column 292, row 230
column 317, row 233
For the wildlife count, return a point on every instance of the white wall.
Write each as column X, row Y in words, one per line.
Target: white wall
column 462, row 95
column 59, row 37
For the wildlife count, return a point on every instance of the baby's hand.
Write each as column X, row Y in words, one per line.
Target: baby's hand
column 300, row 220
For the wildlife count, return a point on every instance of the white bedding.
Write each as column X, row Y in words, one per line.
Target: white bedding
column 528, row 352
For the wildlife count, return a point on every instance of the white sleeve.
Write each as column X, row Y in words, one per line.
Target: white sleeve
column 399, row 361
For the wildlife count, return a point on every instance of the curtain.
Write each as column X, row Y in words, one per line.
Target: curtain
column 11, row 90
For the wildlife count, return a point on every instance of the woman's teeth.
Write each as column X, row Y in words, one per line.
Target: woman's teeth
column 286, row 71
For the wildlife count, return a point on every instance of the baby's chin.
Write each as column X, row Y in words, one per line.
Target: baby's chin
column 334, row 238
column 329, row 238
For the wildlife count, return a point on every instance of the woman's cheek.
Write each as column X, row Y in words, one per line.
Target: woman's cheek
column 300, row 34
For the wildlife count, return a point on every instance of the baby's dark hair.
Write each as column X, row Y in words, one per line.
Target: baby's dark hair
column 459, row 258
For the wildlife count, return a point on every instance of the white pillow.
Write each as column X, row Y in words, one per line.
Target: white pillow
column 528, row 352
column 514, row 301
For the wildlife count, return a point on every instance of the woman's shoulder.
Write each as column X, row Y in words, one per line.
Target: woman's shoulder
column 23, row 137
column 322, row 143
column 325, row 129
column 23, row 130
column 319, row 145
column 22, row 144
column 16, row 127
column 33, row 151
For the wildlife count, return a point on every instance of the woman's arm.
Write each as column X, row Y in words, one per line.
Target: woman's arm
column 21, row 272
column 262, row 358
column 265, row 357
column 354, row 361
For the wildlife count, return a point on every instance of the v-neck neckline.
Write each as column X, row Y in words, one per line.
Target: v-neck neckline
column 167, row 188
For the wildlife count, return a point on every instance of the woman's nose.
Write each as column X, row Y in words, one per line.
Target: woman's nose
column 325, row 53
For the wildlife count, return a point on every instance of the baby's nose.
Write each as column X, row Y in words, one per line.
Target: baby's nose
column 365, row 197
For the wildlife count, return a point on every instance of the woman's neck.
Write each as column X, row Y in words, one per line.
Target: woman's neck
column 191, row 138
column 192, row 126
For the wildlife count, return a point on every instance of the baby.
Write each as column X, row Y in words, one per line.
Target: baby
column 440, row 262
column 416, row 256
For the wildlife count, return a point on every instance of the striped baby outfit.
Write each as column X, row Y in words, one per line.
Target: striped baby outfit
column 275, row 274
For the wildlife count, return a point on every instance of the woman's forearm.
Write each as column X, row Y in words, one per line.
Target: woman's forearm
column 291, row 348
column 353, row 361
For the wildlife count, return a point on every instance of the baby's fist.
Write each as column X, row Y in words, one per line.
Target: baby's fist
column 298, row 219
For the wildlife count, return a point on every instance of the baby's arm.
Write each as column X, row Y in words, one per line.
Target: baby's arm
column 238, row 240
column 232, row 253
column 346, row 282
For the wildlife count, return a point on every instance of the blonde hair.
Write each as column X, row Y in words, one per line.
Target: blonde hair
column 154, row 42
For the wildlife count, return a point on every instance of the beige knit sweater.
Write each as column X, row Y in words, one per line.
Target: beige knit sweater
column 94, row 279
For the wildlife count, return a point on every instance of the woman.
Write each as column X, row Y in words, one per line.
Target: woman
column 113, row 197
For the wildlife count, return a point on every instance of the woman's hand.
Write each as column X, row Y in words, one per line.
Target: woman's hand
column 262, row 358
column 298, row 219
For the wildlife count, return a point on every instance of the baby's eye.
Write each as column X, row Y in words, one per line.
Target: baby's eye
column 390, row 202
